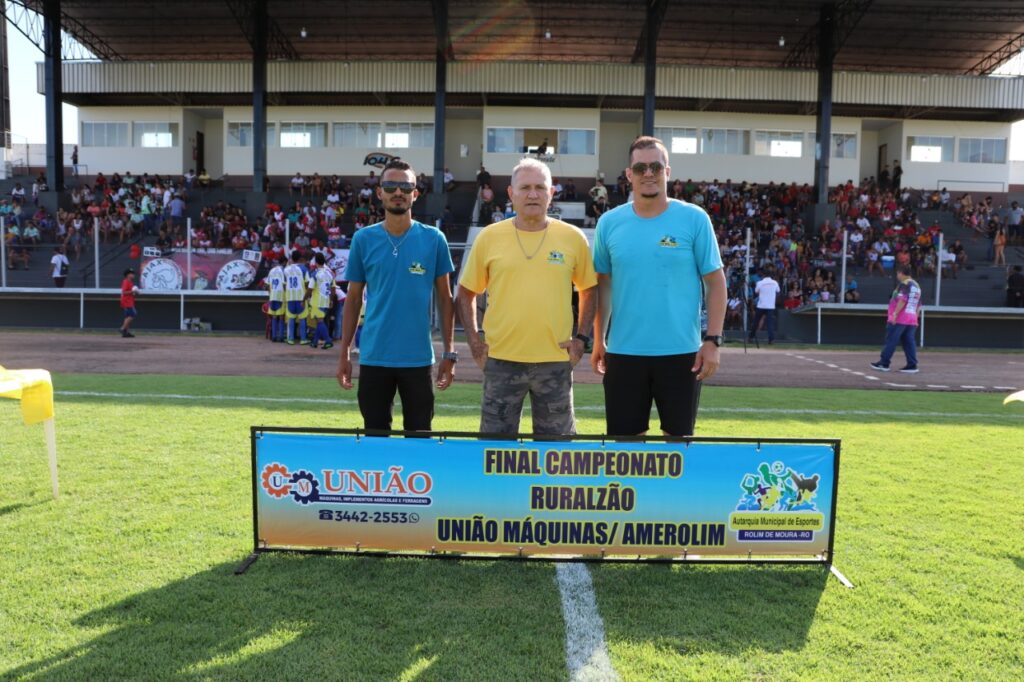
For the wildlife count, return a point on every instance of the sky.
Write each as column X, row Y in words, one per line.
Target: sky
column 28, row 115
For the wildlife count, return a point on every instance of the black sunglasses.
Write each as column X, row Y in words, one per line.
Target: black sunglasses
column 389, row 186
column 641, row 168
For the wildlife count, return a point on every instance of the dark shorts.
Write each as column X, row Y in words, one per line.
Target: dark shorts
column 130, row 312
column 632, row 382
column 376, row 393
column 506, row 385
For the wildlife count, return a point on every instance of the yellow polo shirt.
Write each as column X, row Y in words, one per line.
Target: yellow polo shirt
column 529, row 301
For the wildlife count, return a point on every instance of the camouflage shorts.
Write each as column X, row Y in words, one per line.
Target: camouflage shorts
column 506, row 385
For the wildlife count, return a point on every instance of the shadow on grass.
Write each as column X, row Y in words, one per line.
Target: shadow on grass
column 11, row 508
column 293, row 617
column 689, row 610
column 1019, row 561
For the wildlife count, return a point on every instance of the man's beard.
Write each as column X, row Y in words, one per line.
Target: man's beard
column 394, row 210
column 650, row 196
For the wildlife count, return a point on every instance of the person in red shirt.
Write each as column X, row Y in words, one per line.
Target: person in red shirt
column 128, row 291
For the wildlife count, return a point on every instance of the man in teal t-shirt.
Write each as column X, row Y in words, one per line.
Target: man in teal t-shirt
column 399, row 262
column 655, row 257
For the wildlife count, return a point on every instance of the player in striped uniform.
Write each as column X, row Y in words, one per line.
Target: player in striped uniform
column 275, row 306
column 295, row 297
column 321, row 281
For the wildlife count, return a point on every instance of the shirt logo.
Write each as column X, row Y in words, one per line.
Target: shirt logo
column 417, row 269
column 668, row 242
column 556, row 257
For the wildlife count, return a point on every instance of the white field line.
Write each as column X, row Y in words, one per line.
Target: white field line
column 585, row 650
column 474, row 408
column 972, row 387
column 1005, row 388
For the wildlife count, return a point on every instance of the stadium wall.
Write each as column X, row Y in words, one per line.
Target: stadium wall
column 997, row 328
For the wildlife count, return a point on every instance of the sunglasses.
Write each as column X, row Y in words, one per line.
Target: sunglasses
column 642, row 168
column 390, row 186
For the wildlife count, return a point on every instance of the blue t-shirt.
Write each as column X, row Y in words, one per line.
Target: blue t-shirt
column 396, row 329
column 656, row 266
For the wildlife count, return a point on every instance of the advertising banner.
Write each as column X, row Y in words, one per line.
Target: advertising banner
column 765, row 500
column 221, row 269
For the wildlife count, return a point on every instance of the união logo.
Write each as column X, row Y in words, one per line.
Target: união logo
column 377, row 486
column 556, row 257
column 417, row 269
column 668, row 242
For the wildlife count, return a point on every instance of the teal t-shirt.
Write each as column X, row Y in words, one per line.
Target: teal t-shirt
column 656, row 265
column 396, row 329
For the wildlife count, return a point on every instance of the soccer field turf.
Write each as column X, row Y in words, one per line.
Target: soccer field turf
column 130, row 574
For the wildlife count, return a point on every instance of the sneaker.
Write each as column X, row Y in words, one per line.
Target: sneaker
column 127, row 335
column 327, row 345
column 290, row 342
column 304, row 342
column 910, row 369
column 880, row 367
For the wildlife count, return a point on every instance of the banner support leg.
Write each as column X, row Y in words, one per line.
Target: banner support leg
column 839, row 576
column 251, row 559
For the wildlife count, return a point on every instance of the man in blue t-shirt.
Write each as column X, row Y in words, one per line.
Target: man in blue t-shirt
column 654, row 258
column 399, row 262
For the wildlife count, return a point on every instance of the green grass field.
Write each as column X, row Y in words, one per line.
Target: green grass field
column 130, row 574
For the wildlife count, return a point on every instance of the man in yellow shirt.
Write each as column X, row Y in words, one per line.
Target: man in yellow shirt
column 528, row 265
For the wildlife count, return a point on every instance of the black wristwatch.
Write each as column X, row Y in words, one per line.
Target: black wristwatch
column 584, row 338
column 453, row 356
column 717, row 340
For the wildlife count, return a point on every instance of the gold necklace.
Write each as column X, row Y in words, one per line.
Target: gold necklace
column 529, row 256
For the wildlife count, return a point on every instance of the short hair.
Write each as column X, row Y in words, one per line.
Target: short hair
column 319, row 258
column 296, row 255
column 397, row 164
column 903, row 270
column 534, row 164
column 647, row 142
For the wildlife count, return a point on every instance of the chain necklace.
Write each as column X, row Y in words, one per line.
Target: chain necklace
column 529, row 256
column 394, row 244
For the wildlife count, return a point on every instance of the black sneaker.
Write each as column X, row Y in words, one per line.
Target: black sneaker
column 127, row 334
column 910, row 369
column 880, row 367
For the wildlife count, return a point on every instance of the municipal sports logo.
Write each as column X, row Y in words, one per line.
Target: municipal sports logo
column 417, row 269
column 668, row 242
column 556, row 257
column 777, row 505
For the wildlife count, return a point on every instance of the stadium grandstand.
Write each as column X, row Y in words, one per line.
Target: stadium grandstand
column 829, row 141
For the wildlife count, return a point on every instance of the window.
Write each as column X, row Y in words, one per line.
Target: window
column 357, row 135
column 930, row 149
column 408, row 135
column 147, row 134
column 678, row 140
column 240, row 134
column 574, row 141
column 724, row 141
column 505, row 140
column 982, row 150
column 844, row 146
column 104, row 134
column 303, row 135
column 779, row 143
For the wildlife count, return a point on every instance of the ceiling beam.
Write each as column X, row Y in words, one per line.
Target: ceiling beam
column 77, row 41
column 658, row 9
column 804, row 54
column 279, row 46
column 998, row 57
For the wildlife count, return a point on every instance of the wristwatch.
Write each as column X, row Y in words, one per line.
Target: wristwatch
column 717, row 340
column 453, row 356
column 584, row 338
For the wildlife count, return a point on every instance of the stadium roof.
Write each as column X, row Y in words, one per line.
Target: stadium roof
column 927, row 36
